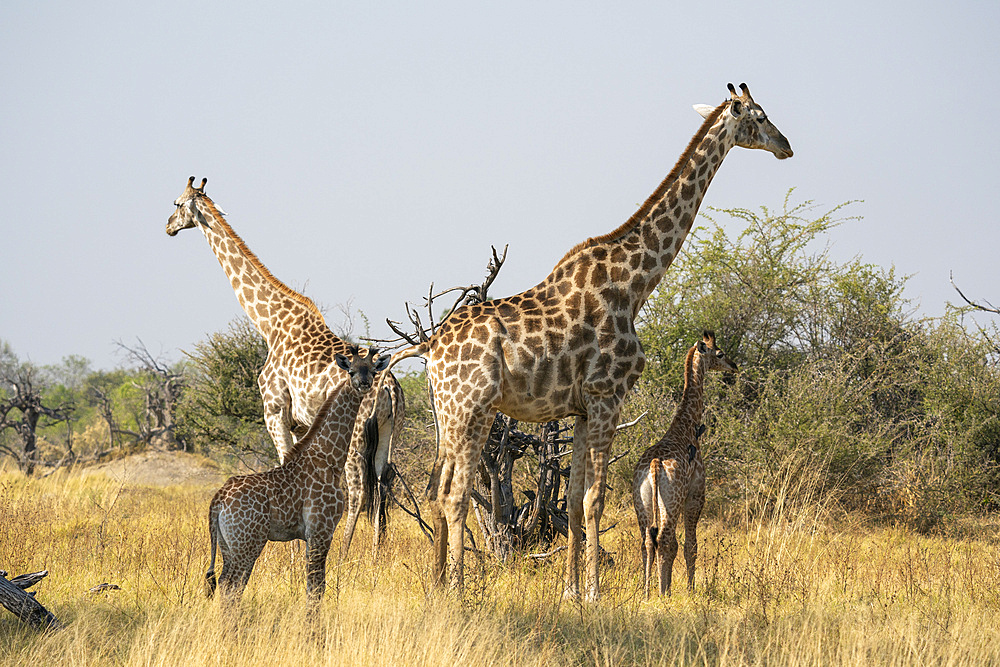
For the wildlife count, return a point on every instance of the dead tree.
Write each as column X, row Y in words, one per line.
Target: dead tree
column 25, row 411
column 509, row 525
column 506, row 524
column 161, row 389
column 469, row 294
column 16, row 599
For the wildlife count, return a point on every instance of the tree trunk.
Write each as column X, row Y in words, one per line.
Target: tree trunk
column 23, row 604
column 30, row 441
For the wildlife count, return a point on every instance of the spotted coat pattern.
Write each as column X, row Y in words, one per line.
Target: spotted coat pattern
column 568, row 346
column 300, row 499
column 300, row 370
column 669, row 481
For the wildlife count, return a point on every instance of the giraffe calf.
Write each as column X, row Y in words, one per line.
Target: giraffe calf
column 300, row 499
column 669, row 479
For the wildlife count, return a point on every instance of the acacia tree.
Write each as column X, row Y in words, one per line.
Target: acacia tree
column 24, row 409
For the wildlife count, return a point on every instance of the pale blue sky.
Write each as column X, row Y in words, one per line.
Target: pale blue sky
column 363, row 150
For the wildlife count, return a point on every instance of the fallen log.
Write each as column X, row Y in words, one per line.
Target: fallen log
column 23, row 604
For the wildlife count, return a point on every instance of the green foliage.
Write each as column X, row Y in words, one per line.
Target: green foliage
column 768, row 292
column 416, row 447
column 222, row 409
column 841, row 394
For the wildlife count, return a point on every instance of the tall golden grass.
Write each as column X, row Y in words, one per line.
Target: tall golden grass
column 785, row 584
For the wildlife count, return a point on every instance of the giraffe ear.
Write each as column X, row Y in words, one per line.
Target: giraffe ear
column 704, row 110
column 343, row 362
column 196, row 212
column 702, row 349
column 382, row 362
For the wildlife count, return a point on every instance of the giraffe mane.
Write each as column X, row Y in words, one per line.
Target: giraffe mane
column 321, row 415
column 689, row 364
column 647, row 206
column 255, row 262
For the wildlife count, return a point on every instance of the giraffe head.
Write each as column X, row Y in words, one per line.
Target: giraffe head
column 750, row 124
column 710, row 356
column 362, row 370
column 187, row 214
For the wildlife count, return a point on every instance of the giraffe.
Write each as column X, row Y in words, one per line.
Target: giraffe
column 301, row 498
column 568, row 346
column 300, row 370
column 669, row 477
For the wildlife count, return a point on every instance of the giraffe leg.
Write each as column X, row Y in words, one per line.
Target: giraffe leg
column 243, row 528
column 384, row 472
column 648, row 555
column 574, row 509
column 237, row 568
column 692, row 512
column 600, row 431
column 440, row 480
column 667, row 552
column 456, row 500
column 669, row 508
column 277, row 409
column 643, row 501
column 593, row 510
column 317, row 549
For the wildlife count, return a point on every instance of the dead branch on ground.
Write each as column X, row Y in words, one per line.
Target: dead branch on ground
column 22, row 603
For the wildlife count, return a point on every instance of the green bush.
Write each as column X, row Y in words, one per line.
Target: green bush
column 221, row 412
column 843, row 398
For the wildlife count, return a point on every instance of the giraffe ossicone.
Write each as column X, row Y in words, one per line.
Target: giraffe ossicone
column 669, row 477
column 568, row 346
column 300, row 371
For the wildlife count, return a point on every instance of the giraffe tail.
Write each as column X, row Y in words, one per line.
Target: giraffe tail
column 213, row 534
column 410, row 352
column 654, row 522
column 371, row 435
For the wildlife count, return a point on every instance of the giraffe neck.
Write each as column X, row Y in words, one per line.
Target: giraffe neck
column 638, row 253
column 331, row 429
column 266, row 300
column 692, row 405
column 666, row 221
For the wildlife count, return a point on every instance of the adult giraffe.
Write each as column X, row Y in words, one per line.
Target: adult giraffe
column 568, row 346
column 301, row 368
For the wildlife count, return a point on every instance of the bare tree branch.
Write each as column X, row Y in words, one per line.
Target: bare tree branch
column 161, row 389
column 469, row 294
column 990, row 308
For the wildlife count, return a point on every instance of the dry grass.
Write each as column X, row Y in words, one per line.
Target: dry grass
column 781, row 587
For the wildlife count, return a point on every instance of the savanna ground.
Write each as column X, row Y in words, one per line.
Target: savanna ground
column 801, row 587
